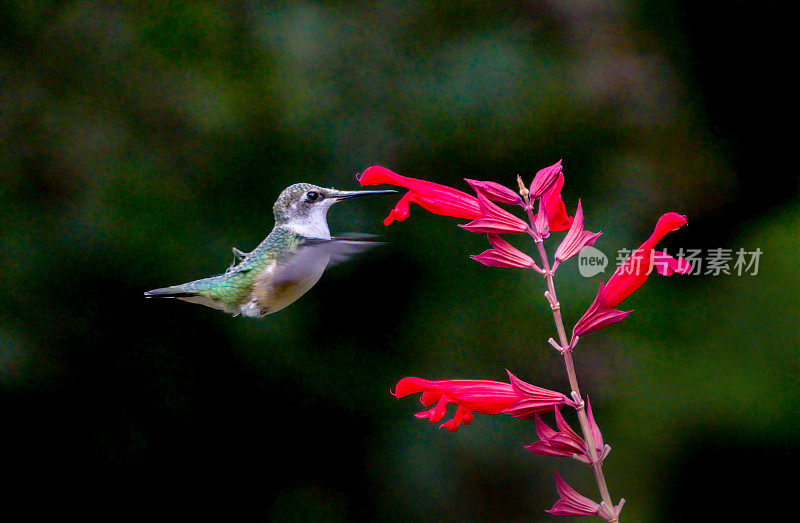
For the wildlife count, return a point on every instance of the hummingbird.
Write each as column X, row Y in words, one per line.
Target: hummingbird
column 284, row 266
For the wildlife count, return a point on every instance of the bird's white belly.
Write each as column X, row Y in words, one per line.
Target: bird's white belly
column 284, row 295
column 289, row 294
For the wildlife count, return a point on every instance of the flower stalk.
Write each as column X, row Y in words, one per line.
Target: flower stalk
column 566, row 352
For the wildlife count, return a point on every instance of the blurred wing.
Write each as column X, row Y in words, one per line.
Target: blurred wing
column 316, row 253
column 263, row 290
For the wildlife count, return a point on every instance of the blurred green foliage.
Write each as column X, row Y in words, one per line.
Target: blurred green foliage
column 140, row 141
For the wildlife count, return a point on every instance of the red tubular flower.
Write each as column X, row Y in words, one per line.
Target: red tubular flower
column 502, row 254
column 576, row 239
column 518, row 399
column 631, row 275
column 555, row 212
column 433, row 197
column 440, row 199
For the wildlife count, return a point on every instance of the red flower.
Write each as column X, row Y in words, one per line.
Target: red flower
column 576, row 239
column 555, row 212
column 518, row 399
column 631, row 275
column 436, row 198
column 440, row 199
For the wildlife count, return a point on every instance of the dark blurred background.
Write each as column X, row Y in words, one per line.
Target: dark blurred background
column 140, row 141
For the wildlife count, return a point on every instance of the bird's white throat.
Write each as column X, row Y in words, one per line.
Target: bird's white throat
column 311, row 227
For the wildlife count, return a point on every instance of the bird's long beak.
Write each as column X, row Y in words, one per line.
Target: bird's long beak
column 346, row 195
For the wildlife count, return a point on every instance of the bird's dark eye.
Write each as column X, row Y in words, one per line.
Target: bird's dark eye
column 312, row 196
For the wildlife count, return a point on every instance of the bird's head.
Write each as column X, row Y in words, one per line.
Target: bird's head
column 308, row 203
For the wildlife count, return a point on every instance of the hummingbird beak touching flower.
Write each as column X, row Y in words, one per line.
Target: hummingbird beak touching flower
column 435, row 198
column 447, row 201
column 346, row 195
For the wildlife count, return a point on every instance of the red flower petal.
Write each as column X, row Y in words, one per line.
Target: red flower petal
column 597, row 436
column 544, row 179
column 572, row 503
column 556, row 211
column 533, row 400
column 564, row 443
column 576, row 239
column 494, row 219
column 436, row 198
column 502, row 254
